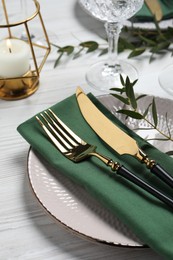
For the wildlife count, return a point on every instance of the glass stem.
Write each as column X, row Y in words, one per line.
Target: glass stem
column 113, row 31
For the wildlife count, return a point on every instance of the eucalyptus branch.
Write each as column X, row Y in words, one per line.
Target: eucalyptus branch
column 127, row 96
column 76, row 51
column 135, row 40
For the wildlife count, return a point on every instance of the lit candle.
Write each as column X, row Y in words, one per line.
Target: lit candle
column 14, row 58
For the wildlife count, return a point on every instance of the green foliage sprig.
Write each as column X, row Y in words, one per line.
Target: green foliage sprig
column 76, row 51
column 137, row 41
column 127, row 96
column 156, row 41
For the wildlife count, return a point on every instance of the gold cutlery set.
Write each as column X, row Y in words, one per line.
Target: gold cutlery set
column 77, row 150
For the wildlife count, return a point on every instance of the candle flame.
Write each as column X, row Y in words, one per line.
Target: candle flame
column 9, row 45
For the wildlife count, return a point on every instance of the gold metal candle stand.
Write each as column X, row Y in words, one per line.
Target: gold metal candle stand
column 25, row 85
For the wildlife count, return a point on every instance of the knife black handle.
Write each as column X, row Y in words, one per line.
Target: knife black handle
column 124, row 172
column 162, row 174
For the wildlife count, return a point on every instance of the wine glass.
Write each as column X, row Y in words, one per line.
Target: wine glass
column 106, row 74
column 165, row 79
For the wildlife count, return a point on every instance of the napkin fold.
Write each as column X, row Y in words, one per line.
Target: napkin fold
column 145, row 14
column 149, row 218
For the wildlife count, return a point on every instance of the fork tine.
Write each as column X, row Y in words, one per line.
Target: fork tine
column 61, row 131
column 68, row 131
column 52, row 137
column 55, row 131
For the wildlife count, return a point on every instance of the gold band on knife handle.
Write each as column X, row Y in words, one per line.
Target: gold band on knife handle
column 141, row 156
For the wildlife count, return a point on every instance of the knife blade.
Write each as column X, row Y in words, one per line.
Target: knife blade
column 116, row 138
column 155, row 8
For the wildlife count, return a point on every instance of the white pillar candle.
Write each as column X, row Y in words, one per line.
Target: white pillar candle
column 14, row 58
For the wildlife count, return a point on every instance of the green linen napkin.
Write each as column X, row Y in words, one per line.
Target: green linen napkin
column 150, row 219
column 145, row 15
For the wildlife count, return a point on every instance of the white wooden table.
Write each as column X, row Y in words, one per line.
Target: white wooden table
column 26, row 231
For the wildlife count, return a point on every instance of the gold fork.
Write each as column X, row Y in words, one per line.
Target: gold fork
column 75, row 149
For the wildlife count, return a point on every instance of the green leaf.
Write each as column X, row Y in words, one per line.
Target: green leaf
column 160, row 46
column 140, row 96
column 67, row 49
column 167, row 125
column 58, row 60
column 158, row 139
column 132, row 99
column 154, row 113
column 134, row 82
column 130, row 92
column 122, row 80
column 90, row 45
column 121, row 90
column 124, row 44
column 147, row 40
column 146, row 111
column 130, row 113
column 136, row 52
column 121, row 98
column 127, row 86
column 143, row 128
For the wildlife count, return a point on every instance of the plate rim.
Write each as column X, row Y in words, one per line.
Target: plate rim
column 69, row 228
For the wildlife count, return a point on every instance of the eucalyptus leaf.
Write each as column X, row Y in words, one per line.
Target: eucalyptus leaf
column 167, row 125
column 130, row 113
column 129, row 91
column 159, row 47
column 124, row 44
column 134, row 82
column 127, row 86
column 136, row 52
column 158, row 139
column 133, row 99
column 58, row 60
column 122, row 80
column 90, row 45
column 143, row 128
column 120, row 90
column 147, row 40
column 154, row 113
column 121, row 98
column 141, row 96
column 146, row 111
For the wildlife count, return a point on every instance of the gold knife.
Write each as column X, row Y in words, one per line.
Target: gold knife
column 116, row 138
column 155, row 8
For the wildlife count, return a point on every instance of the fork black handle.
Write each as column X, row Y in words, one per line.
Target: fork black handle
column 162, row 174
column 124, row 172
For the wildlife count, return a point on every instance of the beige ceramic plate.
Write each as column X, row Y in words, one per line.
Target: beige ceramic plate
column 72, row 205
